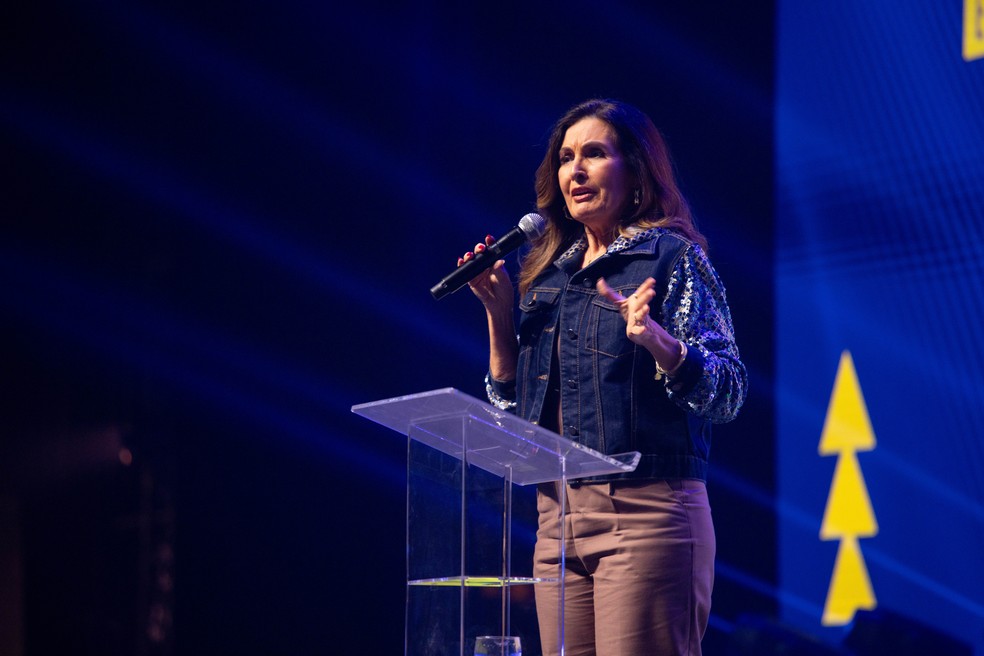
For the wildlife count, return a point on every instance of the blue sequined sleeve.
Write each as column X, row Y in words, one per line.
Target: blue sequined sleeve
column 696, row 312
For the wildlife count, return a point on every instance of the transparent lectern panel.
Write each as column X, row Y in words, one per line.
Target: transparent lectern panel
column 463, row 521
column 497, row 441
column 433, row 615
column 469, row 555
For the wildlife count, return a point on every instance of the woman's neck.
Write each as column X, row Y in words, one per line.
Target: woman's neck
column 598, row 243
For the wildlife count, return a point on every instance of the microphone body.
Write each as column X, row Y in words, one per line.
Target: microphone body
column 530, row 226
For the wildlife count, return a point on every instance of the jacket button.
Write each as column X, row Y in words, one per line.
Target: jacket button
column 572, row 384
column 587, row 283
column 572, row 431
column 571, row 333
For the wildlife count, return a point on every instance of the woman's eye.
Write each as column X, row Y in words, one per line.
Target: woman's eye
column 565, row 157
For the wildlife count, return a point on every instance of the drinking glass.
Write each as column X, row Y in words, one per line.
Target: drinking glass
column 497, row 646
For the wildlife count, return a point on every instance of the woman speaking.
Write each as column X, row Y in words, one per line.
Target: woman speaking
column 624, row 343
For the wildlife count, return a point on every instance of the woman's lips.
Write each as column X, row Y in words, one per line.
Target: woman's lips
column 582, row 194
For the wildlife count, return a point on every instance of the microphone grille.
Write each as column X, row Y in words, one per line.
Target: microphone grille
column 532, row 225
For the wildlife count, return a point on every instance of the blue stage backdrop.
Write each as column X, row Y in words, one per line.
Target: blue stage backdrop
column 221, row 223
column 879, row 269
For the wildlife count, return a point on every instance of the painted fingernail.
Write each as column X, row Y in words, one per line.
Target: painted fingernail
column 480, row 248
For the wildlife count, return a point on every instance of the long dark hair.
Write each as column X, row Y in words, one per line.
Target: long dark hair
column 648, row 158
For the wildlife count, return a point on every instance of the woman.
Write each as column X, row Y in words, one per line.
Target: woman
column 624, row 344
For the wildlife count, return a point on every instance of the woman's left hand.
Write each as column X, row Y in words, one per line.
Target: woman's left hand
column 634, row 309
column 640, row 327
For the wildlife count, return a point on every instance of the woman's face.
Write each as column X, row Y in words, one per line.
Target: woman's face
column 593, row 176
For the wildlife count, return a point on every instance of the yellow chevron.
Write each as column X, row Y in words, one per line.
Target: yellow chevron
column 847, row 425
column 850, row 588
column 848, row 511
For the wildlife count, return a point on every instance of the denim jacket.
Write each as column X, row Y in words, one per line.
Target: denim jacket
column 611, row 400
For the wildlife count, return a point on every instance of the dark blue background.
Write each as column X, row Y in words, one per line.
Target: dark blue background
column 220, row 225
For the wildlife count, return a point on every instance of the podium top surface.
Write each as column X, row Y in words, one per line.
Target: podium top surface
column 497, row 441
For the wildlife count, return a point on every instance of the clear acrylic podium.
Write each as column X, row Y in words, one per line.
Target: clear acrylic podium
column 463, row 458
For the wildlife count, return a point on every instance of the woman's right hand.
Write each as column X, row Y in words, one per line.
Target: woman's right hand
column 493, row 286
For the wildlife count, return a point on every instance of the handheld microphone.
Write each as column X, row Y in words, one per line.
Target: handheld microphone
column 530, row 226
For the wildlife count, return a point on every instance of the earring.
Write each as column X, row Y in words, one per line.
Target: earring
column 637, row 199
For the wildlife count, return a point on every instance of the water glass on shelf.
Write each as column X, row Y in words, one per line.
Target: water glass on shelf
column 497, row 646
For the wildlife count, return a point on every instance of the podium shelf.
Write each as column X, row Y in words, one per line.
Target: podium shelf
column 479, row 581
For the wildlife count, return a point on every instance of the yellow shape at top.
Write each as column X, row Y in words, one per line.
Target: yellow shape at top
column 847, row 426
column 973, row 34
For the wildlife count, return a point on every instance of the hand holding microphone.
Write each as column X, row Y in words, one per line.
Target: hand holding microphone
column 530, row 226
column 492, row 286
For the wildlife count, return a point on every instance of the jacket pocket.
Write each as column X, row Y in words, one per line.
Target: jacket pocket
column 606, row 334
column 538, row 300
column 537, row 310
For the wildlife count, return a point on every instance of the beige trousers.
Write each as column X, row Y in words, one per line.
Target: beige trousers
column 639, row 568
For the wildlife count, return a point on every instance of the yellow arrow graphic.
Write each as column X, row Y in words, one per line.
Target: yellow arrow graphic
column 850, row 589
column 848, row 515
column 848, row 510
column 847, row 425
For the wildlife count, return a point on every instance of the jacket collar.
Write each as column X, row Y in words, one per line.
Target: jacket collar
column 644, row 241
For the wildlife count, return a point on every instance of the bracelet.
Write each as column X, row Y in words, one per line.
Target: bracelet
column 494, row 399
column 660, row 372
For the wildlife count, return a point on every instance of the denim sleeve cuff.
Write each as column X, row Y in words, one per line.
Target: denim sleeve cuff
column 501, row 393
column 686, row 377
